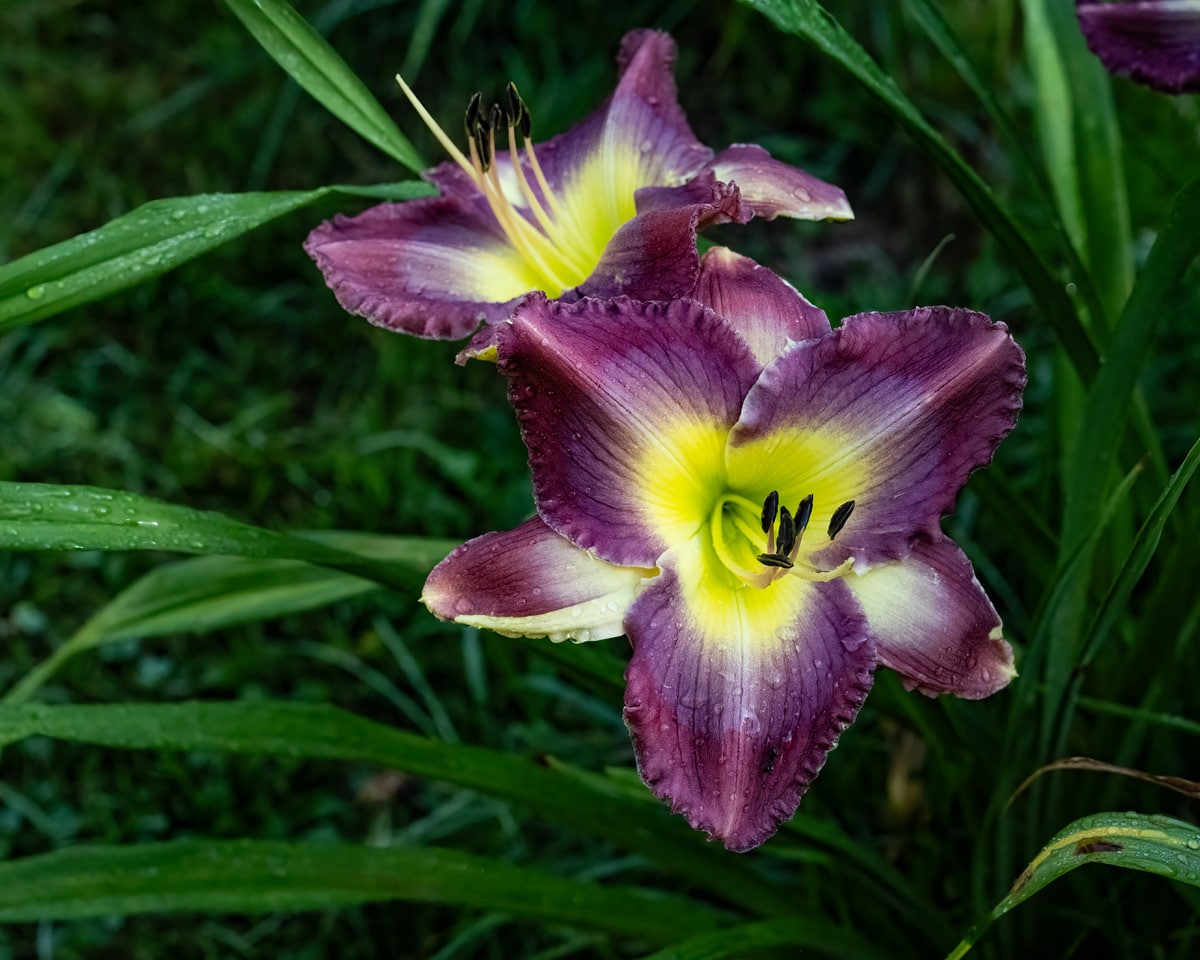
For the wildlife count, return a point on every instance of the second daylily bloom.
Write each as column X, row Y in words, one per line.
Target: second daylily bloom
column 610, row 207
column 756, row 507
column 1153, row 42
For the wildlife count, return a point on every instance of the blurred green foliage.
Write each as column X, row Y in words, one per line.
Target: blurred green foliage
column 237, row 384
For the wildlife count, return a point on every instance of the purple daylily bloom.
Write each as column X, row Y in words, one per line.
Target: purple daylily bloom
column 759, row 514
column 1153, row 42
column 611, row 207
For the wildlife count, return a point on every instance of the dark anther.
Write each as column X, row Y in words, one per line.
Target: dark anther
column 787, row 533
column 518, row 112
column 474, row 117
column 770, row 511
column 495, row 118
column 479, row 131
column 775, row 560
column 803, row 515
column 839, row 518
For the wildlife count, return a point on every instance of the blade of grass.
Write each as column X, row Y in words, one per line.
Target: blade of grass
column 207, row 593
column 1136, row 713
column 1129, row 349
column 315, row 65
column 808, row 19
column 938, row 29
column 1144, row 546
column 156, row 237
column 575, row 798
column 746, row 940
column 1150, row 843
column 244, row 876
column 45, row 516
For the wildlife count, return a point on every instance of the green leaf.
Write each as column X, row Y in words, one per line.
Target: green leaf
column 1150, row 843
column 244, row 876
column 736, row 943
column 315, row 65
column 808, row 19
column 156, row 237
column 207, row 593
column 584, row 801
column 44, row 516
column 1144, row 544
column 1128, row 350
column 937, row 28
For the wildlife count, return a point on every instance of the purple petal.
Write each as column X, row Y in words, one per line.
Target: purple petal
column 761, row 306
column 434, row 268
column 1154, row 42
column 624, row 407
column 733, row 701
column 933, row 624
column 775, row 189
column 892, row 411
column 654, row 256
column 530, row 582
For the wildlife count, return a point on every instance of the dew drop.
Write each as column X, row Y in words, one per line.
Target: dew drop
column 1193, row 843
column 802, row 195
column 36, row 293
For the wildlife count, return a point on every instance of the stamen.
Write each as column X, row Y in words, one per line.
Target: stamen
column 518, row 112
column 456, row 155
column 787, row 533
column 839, row 518
column 770, row 511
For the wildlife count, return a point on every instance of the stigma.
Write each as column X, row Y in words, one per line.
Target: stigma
column 541, row 228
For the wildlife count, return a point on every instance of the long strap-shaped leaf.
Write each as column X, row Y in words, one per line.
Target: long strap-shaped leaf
column 244, row 876
column 156, row 237
column 202, row 594
column 819, row 936
column 808, row 19
column 584, row 801
column 316, row 66
column 1150, row 843
column 45, row 516
column 1129, row 348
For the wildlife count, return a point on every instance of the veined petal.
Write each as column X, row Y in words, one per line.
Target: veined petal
column 625, row 407
column 1155, row 42
column 775, row 189
column 639, row 134
column 654, row 255
column 765, row 309
column 933, row 624
column 892, row 411
column 434, row 268
column 530, row 582
column 735, row 696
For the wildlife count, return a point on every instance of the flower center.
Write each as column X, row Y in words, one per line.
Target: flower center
column 558, row 238
column 735, row 537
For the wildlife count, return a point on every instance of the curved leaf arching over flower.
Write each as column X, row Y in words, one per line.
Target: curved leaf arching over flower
column 762, row 524
column 611, row 207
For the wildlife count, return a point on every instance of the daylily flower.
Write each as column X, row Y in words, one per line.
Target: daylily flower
column 758, row 513
column 610, row 207
column 1153, row 42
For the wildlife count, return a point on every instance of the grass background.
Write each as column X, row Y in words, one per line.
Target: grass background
column 236, row 384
